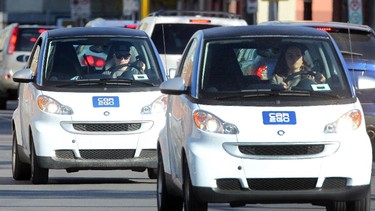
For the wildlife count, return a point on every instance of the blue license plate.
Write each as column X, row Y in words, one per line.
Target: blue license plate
column 105, row 101
column 279, row 117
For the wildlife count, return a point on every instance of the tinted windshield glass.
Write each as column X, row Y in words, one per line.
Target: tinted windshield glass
column 361, row 47
column 268, row 64
column 27, row 37
column 80, row 60
column 174, row 36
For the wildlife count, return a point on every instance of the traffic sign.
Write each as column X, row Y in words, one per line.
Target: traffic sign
column 355, row 11
column 251, row 6
column 80, row 9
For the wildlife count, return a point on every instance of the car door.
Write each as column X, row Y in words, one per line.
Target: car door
column 27, row 97
column 180, row 114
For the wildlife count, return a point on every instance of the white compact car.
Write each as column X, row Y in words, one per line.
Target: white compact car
column 289, row 130
column 16, row 42
column 171, row 30
column 79, row 116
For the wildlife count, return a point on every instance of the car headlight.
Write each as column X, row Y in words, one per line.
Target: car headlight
column 347, row 122
column 210, row 123
column 50, row 105
column 157, row 106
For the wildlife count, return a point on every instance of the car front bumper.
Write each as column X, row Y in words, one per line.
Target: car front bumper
column 226, row 174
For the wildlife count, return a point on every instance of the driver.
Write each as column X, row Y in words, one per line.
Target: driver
column 121, row 63
column 288, row 70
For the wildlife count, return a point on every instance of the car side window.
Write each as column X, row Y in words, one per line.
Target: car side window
column 188, row 63
column 34, row 60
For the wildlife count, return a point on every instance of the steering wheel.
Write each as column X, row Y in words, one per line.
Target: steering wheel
column 300, row 73
column 136, row 70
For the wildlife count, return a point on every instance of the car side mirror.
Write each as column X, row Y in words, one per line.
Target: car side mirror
column 174, row 86
column 23, row 76
column 22, row 58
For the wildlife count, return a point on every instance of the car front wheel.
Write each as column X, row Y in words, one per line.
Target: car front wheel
column 38, row 175
column 166, row 202
column 358, row 205
column 191, row 203
column 20, row 170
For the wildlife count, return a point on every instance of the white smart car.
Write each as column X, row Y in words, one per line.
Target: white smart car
column 239, row 138
column 78, row 116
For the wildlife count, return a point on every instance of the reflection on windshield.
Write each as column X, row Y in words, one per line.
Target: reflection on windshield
column 101, row 61
column 267, row 67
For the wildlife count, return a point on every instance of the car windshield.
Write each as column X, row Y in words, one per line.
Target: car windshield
column 98, row 61
column 172, row 38
column 361, row 45
column 27, row 37
column 273, row 66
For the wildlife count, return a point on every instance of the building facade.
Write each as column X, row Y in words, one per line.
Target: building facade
column 48, row 12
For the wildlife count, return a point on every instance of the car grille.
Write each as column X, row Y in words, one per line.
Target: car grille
column 228, row 184
column 148, row 153
column 334, row 183
column 287, row 150
column 97, row 154
column 281, row 184
column 109, row 154
column 101, row 127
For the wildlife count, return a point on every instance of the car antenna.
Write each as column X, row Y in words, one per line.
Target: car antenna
column 351, row 54
column 165, row 50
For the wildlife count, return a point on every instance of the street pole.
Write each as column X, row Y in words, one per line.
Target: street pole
column 273, row 10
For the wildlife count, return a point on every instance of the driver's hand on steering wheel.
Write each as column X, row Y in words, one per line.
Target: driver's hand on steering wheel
column 319, row 78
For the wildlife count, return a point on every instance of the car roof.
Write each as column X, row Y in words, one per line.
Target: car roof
column 262, row 30
column 95, row 31
column 100, row 22
column 184, row 16
column 332, row 24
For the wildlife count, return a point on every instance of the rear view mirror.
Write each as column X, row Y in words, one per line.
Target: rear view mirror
column 22, row 58
column 365, row 82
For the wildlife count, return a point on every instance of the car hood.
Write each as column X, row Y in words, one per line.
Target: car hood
column 360, row 64
column 310, row 122
column 129, row 107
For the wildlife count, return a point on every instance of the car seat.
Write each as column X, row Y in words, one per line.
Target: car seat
column 222, row 71
column 65, row 64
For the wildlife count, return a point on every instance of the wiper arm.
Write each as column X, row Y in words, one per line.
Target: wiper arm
column 105, row 81
column 270, row 93
column 263, row 93
column 90, row 82
column 352, row 53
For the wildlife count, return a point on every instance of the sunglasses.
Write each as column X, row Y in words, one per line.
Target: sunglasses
column 122, row 55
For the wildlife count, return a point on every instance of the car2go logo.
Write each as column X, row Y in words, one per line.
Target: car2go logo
column 105, row 101
column 279, row 117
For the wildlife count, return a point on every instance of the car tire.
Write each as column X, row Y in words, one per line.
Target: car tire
column 358, row 205
column 191, row 203
column 152, row 173
column 3, row 103
column 38, row 175
column 336, row 206
column 165, row 201
column 20, row 170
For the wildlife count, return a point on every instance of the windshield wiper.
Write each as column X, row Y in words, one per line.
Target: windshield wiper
column 352, row 53
column 105, row 82
column 271, row 93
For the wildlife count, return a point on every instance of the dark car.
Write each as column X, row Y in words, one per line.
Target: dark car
column 357, row 45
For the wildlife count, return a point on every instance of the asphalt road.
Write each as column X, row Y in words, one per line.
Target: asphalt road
column 93, row 190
